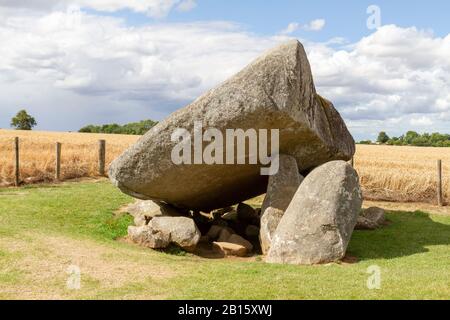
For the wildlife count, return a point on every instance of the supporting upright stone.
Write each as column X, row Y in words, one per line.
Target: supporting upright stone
column 318, row 224
column 280, row 191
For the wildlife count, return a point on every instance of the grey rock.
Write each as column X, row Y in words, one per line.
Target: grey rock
column 280, row 191
column 276, row 91
column 142, row 207
column 269, row 223
column 252, row 231
column 220, row 222
column 216, row 214
column 365, row 224
column 162, row 231
column 144, row 211
column 230, row 216
column 318, row 224
column 376, row 215
column 225, row 234
column 246, row 213
column 237, row 239
column 148, row 237
column 371, row 219
column 230, row 249
column 214, row 232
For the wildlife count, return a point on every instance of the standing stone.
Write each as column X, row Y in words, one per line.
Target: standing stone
column 318, row 224
column 162, row 231
column 280, row 191
column 276, row 91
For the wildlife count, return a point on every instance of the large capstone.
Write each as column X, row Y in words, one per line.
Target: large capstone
column 318, row 224
column 276, row 91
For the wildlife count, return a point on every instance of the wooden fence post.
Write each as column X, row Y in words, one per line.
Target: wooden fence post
column 439, row 183
column 58, row 162
column 17, row 162
column 101, row 157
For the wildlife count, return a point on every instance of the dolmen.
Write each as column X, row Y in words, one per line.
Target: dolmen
column 263, row 131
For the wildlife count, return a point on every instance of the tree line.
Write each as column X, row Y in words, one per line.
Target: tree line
column 137, row 128
column 412, row 138
column 23, row 121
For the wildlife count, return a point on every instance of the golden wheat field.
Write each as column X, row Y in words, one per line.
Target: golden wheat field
column 79, row 154
column 386, row 172
column 402, row 173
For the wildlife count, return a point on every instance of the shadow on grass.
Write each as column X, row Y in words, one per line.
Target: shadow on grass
column 409, row 233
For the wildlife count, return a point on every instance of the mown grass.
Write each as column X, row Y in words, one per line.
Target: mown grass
column 44, row 229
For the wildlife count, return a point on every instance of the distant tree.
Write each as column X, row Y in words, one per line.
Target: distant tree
column 88, row 129
column 410, row 136
column 383, row 137
column 365, row 142
column 23, row 121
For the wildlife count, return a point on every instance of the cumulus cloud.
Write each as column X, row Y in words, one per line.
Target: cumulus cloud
column 291, row 28
column 394, row 73
column 70, row 67
column 152, row 69
column 315, row 25
column 422, row 121
column 153, row 8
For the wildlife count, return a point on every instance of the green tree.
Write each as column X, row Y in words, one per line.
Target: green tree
column 137, row 128
column 23, row 121
column 410, row 136
column 383, row 137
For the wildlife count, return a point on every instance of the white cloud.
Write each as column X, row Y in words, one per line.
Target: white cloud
column 97, row 69
column 291, row 28
column 315, row 25
column 187, row 5
column 421, row 121
column 154, row 69
column 153, row 8
column 393, row 72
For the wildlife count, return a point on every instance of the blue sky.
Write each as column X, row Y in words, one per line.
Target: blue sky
column 72, row 63
column 345, row 18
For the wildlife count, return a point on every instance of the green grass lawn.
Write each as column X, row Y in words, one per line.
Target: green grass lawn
column 46, row 229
